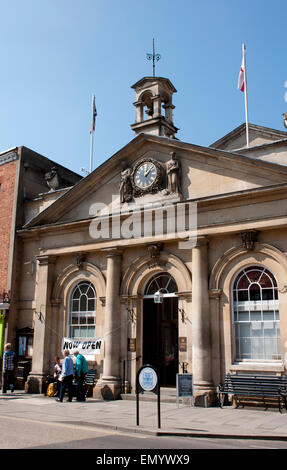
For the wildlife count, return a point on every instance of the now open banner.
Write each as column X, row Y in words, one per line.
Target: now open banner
column 85, row 346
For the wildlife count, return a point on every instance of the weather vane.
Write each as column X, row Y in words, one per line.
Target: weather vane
column 154, row 57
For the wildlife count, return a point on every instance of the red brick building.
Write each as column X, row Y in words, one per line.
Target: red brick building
column 24, row 175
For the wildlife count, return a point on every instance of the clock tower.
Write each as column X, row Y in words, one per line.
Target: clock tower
column 154, row 107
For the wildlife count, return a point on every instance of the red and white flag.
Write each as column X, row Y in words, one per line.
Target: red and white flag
column 241, row 81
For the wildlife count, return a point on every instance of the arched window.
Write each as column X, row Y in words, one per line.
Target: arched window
column 256, row 315
column 163, row 282
column 82, row 314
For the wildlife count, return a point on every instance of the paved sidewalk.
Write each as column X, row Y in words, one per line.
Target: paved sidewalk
column 255, row 423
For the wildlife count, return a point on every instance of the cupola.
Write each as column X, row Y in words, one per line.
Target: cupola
column 154, row 108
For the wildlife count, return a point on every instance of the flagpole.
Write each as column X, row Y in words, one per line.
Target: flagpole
column 245, row 95
column 92, row 136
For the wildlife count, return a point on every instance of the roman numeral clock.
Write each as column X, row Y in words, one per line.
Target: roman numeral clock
column 147, row 177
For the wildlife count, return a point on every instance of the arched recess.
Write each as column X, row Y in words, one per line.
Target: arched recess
column 238, row 257
column 221, row 281
column 72, row 274
column 144, row 267
column 62, row 288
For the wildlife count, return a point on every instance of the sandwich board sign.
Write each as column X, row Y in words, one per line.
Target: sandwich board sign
column 184, row 386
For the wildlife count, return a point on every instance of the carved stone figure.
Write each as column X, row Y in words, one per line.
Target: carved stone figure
column 173, row 171
column 52, row 179
column 285, row 119
column 126, row 188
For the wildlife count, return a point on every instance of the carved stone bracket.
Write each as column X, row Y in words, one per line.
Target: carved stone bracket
column 81, row 258
column 249, row 238
column 103, row 301
column 154, row 250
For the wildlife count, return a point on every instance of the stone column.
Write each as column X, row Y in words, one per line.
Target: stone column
column 201, row 347
column 139, row 111
column 156, row 106
column 42, row 322
column 109, row 385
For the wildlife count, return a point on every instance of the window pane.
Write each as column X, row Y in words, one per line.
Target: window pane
column 83, row 287
column 257, row 348
column 267, row 294
column 254, row 275
column 254, row 292
column 75, row 306
column 90, row 293
column 91, row 305
column 245, row 330
column 269, row 329
column 83, row 303
column 270, row 348
column 266, row 281
column 90, row 332
column 77, row 293
column 243, row 283
column 257, row 329
column 242, row 295
column 243, row 316
column 255, row 315
column 268, row 315
column 245, row 348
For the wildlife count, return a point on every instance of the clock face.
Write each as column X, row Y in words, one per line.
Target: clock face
column 145, row 175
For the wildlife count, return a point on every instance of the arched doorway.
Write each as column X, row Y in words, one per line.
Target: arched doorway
column 160, row 328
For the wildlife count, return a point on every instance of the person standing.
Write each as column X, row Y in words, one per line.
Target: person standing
column 66, row 377
column 57, row 373
column 9, row 363
column 81, row 368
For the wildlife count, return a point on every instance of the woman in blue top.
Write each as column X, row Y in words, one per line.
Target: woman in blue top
column 66, row 377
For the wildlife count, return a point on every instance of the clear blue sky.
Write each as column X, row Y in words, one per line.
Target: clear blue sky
column 55, row 54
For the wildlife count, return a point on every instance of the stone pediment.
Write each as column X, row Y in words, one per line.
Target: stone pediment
column 204, row 171
column 258, row 135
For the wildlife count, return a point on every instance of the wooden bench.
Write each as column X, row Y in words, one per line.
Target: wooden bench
column 89, row 383
column 258, row 386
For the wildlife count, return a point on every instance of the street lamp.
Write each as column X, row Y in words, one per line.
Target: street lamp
column 158, row 297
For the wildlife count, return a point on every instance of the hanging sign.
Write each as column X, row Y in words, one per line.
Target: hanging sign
column 85, row 347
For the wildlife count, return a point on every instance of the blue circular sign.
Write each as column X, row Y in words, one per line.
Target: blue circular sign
column 148, row 379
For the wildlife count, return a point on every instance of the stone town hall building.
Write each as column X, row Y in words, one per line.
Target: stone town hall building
column 91, row 256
